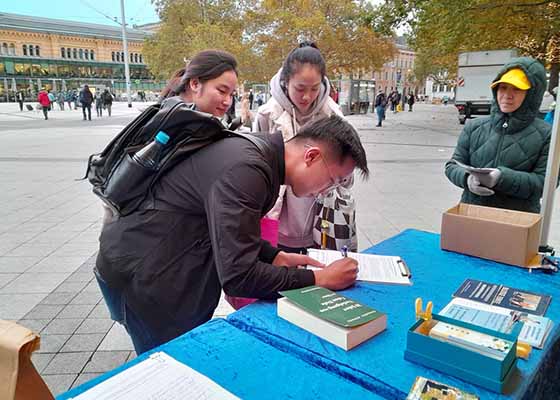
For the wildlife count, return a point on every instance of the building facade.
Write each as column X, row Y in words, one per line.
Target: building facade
column 59, row 55
column 398, row 74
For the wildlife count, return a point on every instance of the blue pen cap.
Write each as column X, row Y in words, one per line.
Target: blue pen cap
column 162, row 137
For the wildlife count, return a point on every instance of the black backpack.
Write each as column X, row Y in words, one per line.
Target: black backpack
column 122, row 183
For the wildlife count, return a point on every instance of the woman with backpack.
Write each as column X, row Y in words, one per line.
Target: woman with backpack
column 300, row 94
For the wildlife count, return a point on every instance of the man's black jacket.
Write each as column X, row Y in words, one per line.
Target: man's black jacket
column 200, row 235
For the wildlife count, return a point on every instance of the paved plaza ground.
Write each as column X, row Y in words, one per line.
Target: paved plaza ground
column 50, row 221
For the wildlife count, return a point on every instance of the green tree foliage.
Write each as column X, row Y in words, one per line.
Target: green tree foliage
column 440, row 29
column 260, row 33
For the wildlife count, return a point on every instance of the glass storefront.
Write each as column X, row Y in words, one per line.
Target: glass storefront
column 26, row 75
column 355, row 96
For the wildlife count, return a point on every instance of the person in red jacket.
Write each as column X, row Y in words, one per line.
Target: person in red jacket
column 45, row 102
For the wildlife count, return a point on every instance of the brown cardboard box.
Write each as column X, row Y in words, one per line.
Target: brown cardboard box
column 507, row 236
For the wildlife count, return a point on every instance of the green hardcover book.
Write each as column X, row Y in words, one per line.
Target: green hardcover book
column 331, row 316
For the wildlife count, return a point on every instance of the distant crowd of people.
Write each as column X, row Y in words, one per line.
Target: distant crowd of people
column 85, row 98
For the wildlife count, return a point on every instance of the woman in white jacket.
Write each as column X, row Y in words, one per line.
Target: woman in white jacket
column 300, row 94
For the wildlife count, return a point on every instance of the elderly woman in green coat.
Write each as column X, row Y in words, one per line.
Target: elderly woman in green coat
column 511, row 144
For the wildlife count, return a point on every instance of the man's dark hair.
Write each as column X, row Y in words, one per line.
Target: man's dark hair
column 341, row 138
column 305, row 53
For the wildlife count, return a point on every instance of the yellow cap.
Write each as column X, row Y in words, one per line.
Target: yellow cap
column 515, row 77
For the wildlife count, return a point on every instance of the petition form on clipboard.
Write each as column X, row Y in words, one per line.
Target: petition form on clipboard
column 372, row 267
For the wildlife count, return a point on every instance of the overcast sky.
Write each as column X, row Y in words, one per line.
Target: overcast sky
column 136, row 11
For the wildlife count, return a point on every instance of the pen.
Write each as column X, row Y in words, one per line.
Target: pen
column 344, row 251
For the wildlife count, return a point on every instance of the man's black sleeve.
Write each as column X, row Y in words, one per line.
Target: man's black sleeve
column 234, row 208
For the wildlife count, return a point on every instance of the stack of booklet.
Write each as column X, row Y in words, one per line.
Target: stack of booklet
column 331, row 316
column 497, row 307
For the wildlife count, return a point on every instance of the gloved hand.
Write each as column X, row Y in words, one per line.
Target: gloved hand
column 475, row 187
column 488, row 179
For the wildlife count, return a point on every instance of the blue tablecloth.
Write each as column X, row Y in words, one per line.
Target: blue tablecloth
column 378, row 364
column 247, row 367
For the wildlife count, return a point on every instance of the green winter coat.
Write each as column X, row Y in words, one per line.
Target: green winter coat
column 516, row 143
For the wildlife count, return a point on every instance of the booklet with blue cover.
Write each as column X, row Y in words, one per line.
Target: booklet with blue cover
column 535, row 329
column 503, row 296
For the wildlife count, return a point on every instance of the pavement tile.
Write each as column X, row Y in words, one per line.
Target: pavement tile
column 59, row 383
column 72, row 287
column 44, row 311
column 41, row 360
column 17, row 264
column 93, row 287
column 117, row 339
column 67, row 363
column 29, row 282
column 57, row 264
column 16, row 306
column 36, row 250
column 36, row 325
column 95, row 326
column 85, row 377
column 86, row 342
column 131, row 356
column 62, row 326
column 52, row 343
column 59, row 298
column 103, row 361
column 7, row 278
column 87, row 298
column 76, row 311
column 100, row 311
column 80, row 277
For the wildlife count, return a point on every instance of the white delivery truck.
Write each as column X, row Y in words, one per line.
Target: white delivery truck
column 477, row 70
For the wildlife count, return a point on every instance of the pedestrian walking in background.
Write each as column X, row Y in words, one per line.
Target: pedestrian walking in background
column 512, row 143
column 52, row 99
column 86, row 99
column 107, row 100
column 68, row 98
column 380, row 104
column 300, row 94
column 260, row 99
column 251, row 98
column 98, row 104
column 45, row 102
column 20, row 97
column 60, row 100
column 411, row 101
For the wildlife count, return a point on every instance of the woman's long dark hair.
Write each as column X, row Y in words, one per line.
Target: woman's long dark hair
column 204, row 66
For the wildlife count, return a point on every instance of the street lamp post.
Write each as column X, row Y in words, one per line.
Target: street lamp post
column 125, row 48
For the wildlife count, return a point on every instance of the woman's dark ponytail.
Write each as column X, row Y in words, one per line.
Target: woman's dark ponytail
column 306, row 53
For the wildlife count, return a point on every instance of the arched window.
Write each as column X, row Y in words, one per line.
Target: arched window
column 118, row 56
column 4, row 48
column 81, row 52
column 86, row 54
column 24, row 48
column 122, row 56
column 113, row 56
column 37, row 52
column 136, row 57
column 12, row 51
column 74, row 53
column 31, row 50
column 91, row 55
column 131, row 57
column 140, row 58
column 63, row 52
column 68, row 53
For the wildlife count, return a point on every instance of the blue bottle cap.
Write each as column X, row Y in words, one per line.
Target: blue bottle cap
column 162, row 137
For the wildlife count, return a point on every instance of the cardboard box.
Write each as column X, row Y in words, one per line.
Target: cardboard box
column 506, row 236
